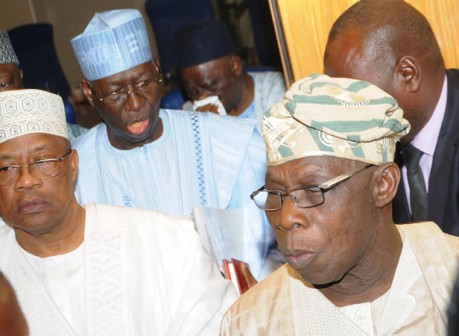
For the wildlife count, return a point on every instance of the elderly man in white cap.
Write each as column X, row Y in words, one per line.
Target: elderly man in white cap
column 93, row 269
column 11, row 76
column 329, row 187
column 172, row 161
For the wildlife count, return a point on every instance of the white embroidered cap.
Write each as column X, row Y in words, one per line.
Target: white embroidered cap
column 113, row 41
column 31, row 111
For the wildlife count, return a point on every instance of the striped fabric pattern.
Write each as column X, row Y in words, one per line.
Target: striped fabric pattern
column 113, row 41
column 324, row 116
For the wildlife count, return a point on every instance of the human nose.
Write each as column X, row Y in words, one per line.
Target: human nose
column 134, row 99
column 26, row 178
column 290, row 216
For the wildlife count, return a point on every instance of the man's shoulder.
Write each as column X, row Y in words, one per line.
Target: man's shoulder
column 266, row 292
column 272, row 80
column 453, row 72
column 5, row 230
column 429, row 237
column 219, row 128
column 122, row 217
column 452, row 76
column 217, row 121
column 86, row 140
column 6, row 233
column 267, row 74
column 127, row 212
column 264, row 309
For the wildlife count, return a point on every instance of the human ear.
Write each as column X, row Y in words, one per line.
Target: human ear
column 410, row 73
column 87, row 91
column 387, row 178
column 74, row 161
column 235, row 64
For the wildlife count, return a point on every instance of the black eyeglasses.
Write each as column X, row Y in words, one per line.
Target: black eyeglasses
column 45, row 168
column 142, row 88
column 306, row 197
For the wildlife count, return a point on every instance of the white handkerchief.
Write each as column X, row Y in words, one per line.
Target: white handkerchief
column 210, row 100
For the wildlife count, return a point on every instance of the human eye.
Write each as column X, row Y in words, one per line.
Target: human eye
column 307, row 195
column 116, row 96
column 6, row 169
column 4, row 86
column 118, row 93
column 271, row 194
column 43, row 163
column 145, row 85
column 311, row 190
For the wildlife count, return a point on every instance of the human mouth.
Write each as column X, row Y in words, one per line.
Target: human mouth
column 138, row 127
column 299, row 259
column 31, row 206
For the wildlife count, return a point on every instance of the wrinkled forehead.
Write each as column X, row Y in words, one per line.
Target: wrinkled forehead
column 9, row 68
column 310, row 166
column 30, row 144
column 216, row 68
column 132, row 75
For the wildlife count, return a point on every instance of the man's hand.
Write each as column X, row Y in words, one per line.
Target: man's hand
column 251, row 281
column 208, row 108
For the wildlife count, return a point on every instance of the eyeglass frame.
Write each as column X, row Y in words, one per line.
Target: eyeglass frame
column 137, row 86
column 323, row 188
column 17, row 167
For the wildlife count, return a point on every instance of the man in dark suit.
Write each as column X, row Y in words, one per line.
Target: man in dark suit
column 391, row 44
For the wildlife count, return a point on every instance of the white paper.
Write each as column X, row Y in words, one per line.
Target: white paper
column 221, row 232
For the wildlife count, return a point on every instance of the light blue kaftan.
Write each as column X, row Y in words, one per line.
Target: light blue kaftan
column 269, row 89
column 201, row 158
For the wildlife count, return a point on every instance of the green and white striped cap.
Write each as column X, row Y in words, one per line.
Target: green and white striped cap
column 324, row 116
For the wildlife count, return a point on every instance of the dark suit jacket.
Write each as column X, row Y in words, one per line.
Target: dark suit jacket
column 443, row 198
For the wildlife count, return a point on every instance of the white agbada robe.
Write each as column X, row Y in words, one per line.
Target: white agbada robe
column 137, row 273
column 200, row 159
column 283, row 304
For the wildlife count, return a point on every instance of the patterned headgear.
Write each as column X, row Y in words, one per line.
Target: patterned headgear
column 7, row 54
column 113, row 41
column 31, row 111
column 324, row 116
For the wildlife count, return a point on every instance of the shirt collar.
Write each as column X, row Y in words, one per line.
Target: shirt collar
column 426, row 139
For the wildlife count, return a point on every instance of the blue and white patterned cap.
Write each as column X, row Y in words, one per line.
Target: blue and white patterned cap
column 31, row 111
column 7, row 54
column 113, row 41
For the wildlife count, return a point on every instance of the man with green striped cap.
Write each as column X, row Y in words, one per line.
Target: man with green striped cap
column 328, row 196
